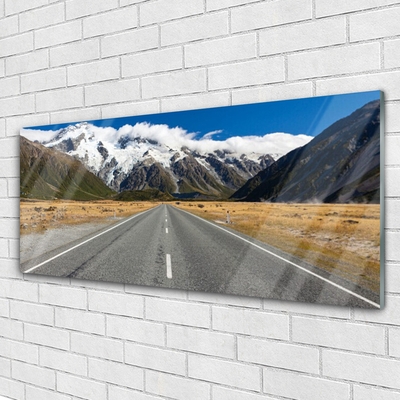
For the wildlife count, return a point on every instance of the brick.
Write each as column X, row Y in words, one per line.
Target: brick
column 46, row 336
column 2, row 68
column 135, row 108
column 83, row 114
column 374, row 25
column 97, row 346
column 63, row 361
column 10, row 268
column 33, row 61
column 8, row 207
column 219, row 4
column 4, row 248
column 248, row 322
column 130, row 42
column 127, row 2
column 178, row 312
column 224, row 372
column 177, row 388
column 13, row 188
column 8, row 26
column 92, row 72
column 255, row 72
column 5, row 367
column 394, row 342
column 14, row 7
column 221, row 393
column 266, row 14
column 42, row 17
column 33, row 374
column 74, row 53
column 4, row 308
column 296, row 386
column 136, row 330
column 19, row 105
column 117, row 393
column 59, row 99
column 43, row 80
column 80, row 387
column 226, row 299
column 14, row 125
column 19, row 290
column 110, row 22
column 392, row 176
column 112, row 92
column 339, row 335
column 176, row 83
column 10, row 225
column 11, row 329
column 392, row 118
column 201, row 27
column 284, row 39
column 278, row 355
column 19, row 351
column 58, row 34
column 152, row 62
column 334, row 61
column 392, row 284
column 361, row 368
column 165, row 10
column 12, row 388
column 201, row 341
column 155, row 358
column 77, row 9
column 115, row 303
column 32, row 312
column 80, row 321
column 305, row 308
column 366, row 392
column 380, row 81
column 63, row 296
column 34, row 393
column 392, row 54
column 117, row 373
column 220, row 50
column 191, row 102
column 2, row 128
column 324, row 8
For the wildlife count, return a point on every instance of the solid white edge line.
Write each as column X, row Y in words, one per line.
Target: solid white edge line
column 289, row 262
column 86, row 241
column 169, row 267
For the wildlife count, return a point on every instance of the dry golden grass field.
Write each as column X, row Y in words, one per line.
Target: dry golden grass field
column 40, row 215
column 340, row 238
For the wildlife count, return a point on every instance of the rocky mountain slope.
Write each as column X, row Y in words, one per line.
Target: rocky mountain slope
column 340, row 165
column 48, row 174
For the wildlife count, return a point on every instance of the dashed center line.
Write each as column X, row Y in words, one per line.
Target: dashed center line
column 169, row 267
column 166, row 230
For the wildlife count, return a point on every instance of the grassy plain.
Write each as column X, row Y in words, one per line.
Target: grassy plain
column 340, row 238
column 41, row 215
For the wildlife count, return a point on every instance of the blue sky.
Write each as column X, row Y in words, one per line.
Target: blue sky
column 309, row 116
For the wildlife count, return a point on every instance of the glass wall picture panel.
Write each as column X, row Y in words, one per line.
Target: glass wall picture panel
column 279, row 200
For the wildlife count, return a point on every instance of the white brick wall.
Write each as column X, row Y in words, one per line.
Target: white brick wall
column 67, row 60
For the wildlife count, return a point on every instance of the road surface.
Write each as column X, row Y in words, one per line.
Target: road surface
column 169, row 247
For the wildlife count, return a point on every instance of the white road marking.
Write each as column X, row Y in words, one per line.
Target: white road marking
column 169, row 268
column 166, row 220
column 166, row 230
column 289, row 262
column 86, row 241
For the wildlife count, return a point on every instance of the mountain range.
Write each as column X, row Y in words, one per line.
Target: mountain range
column 340, row 165
column 137, row 163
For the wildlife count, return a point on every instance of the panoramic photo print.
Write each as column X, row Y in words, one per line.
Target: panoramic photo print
column 279, row 200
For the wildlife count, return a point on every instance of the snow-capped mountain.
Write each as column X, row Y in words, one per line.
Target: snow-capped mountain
column 132, row 162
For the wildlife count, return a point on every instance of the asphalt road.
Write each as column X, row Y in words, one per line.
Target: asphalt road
column 168, row 247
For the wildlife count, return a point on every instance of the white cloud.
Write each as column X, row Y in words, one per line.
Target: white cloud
column 177, row 137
